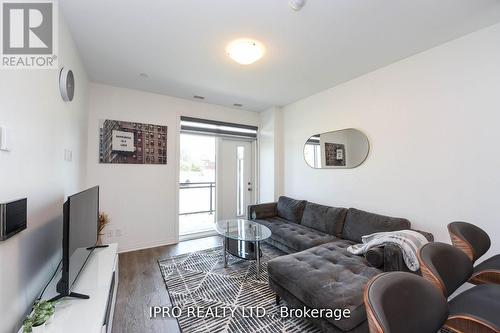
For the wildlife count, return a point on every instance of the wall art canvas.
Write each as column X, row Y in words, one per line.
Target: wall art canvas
column 124, row 142
column 334, row 154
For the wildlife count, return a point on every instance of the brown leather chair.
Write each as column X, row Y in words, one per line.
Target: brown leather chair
column 475, row 242
column 476, row 309
column 404, row 302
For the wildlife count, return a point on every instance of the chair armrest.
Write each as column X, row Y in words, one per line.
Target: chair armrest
column 262, row 211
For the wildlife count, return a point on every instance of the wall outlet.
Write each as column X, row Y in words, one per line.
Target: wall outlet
column 111, row 233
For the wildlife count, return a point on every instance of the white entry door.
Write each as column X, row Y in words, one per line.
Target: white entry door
column 235, row 178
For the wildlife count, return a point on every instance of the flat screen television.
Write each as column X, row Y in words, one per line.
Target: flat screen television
column 80, row 228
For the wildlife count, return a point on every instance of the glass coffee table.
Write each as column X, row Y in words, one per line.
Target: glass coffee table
column 242, row 239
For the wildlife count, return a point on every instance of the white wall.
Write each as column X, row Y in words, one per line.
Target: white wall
column 266, row 155
column 279, row 155
column 270, row 155
column 433, row 125
column 42, row 126
column 141, row 200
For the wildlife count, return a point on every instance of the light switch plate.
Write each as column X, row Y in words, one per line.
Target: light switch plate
column 68, row 155
column 4, row 138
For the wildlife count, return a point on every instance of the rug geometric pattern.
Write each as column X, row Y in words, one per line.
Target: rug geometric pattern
column 199, row 280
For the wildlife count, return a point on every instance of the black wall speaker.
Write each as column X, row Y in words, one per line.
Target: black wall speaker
column 13, row 217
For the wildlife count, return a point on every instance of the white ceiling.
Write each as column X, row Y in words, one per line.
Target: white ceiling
column 180, row 43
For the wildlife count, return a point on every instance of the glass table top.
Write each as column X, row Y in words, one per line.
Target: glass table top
column 241, row 229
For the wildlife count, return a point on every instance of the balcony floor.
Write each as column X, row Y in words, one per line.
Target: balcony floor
column 195, row 223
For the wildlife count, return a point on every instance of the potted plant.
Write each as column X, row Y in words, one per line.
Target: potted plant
column 27, row 325
column 103, row 221
column 47, row 308
column 43, row 312
column 38, row 322
column 35, row 323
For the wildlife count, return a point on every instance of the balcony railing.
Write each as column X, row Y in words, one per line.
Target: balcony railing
column 197, row 198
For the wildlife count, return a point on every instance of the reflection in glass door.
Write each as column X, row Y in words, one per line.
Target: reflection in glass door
column 197, row 194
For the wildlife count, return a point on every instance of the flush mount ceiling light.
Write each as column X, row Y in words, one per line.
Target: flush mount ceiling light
column 245, row 51
column 297, row 4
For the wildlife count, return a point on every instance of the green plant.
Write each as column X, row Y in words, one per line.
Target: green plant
column 42, row 311
column 45, row 307
column 27, row 325
column 39, row 319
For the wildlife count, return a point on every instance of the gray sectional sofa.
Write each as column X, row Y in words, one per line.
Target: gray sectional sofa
column 318, row 272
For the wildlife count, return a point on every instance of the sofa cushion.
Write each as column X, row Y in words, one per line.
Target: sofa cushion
column 359, row 223
column 326, row 277
column 291, row 209
column 295, row 236
column 324, row 218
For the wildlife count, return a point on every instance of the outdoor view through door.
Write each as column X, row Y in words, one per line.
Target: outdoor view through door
column 197, row 183
column 217, row 172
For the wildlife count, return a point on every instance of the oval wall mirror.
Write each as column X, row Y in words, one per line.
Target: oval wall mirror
column 342, row 149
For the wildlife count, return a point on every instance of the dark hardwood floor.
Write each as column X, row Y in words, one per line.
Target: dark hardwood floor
column 141, row 286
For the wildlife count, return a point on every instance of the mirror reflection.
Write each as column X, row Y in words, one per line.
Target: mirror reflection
column 342, row 149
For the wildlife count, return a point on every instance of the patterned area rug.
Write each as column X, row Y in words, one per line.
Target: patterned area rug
column 199, row 280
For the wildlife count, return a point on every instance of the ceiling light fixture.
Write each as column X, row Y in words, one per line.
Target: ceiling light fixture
column 297, row 4
column 245, row 51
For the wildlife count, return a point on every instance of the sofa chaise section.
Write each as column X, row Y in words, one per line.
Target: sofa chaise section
column 324, row 277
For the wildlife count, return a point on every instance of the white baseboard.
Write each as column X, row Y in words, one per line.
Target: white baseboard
column 146, row 245
column 172, row 241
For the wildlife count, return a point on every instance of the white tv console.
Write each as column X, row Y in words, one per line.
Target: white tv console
column 99, row 280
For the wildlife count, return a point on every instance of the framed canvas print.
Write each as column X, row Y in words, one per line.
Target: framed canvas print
column 123, row 142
